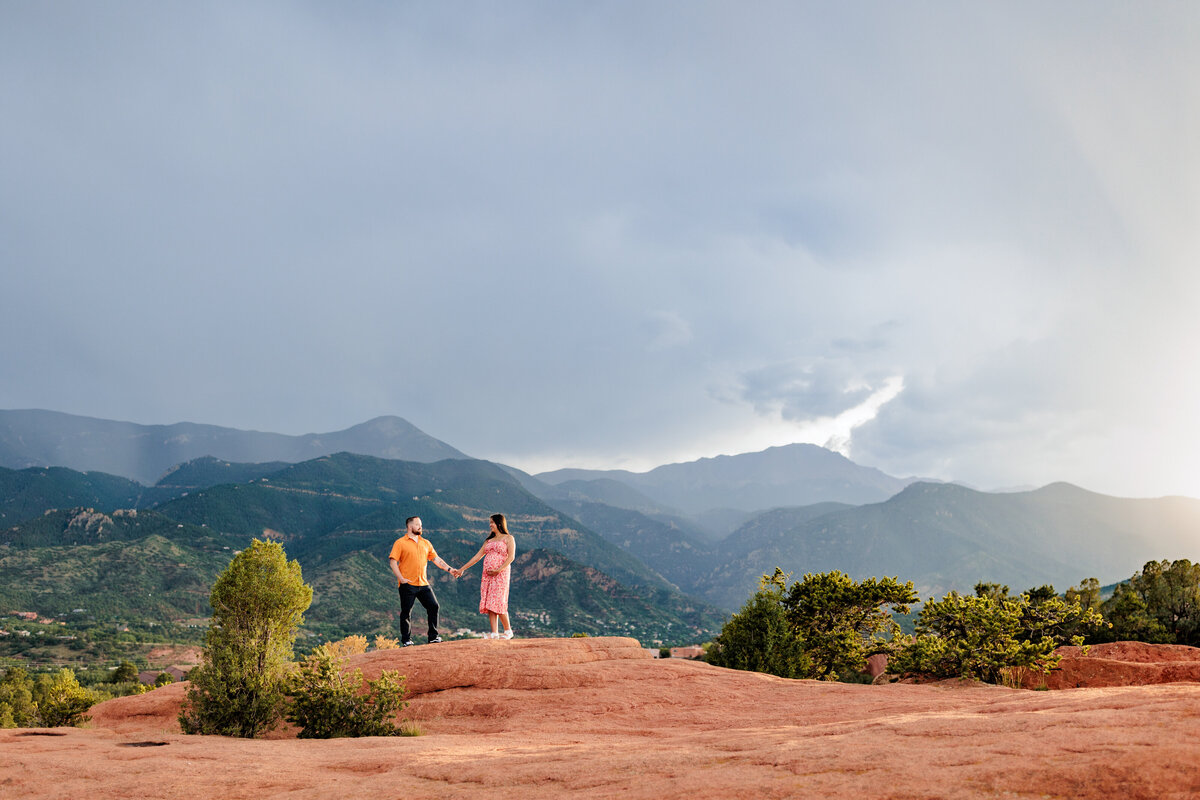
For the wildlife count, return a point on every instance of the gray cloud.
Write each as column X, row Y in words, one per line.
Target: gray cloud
column 616, row 233
column 803, row 390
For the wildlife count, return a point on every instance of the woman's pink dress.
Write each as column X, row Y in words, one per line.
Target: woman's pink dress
column 493, row 590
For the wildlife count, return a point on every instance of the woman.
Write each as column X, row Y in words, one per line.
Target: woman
column 498, row 552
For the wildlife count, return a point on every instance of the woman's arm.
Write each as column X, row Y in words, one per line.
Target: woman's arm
column 474, row 558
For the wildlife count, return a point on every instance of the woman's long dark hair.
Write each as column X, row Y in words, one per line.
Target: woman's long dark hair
column 501, row 525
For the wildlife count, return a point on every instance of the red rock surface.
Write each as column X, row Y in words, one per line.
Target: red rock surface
column 1121, row 664
column 600, row 718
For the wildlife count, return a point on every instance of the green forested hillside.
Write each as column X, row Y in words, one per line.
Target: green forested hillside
column 338, row 516
column 336, row 495
column 200, row 473
column 115, row 567
column 28, row 493
column 675, row 552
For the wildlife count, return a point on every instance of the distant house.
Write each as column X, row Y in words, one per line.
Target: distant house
column 149, row 676
column 691, row 651
column 653, row 651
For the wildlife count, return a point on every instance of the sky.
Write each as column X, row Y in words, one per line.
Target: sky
column 956, row 241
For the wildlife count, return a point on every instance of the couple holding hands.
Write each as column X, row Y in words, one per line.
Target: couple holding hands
column 411, row 553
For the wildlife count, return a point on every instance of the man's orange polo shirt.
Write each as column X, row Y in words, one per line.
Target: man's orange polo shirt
column 412, row 556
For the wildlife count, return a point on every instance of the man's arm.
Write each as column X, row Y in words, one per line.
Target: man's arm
column 395, row 565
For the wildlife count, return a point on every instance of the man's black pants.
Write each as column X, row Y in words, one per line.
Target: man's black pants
column 410, row 594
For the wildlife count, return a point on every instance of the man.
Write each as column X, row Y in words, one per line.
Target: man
column 408, row 559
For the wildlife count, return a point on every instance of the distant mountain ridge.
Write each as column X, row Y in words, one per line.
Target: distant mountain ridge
column 947, row 536
column 144, row 453
column 940, row 536
column 789, row 475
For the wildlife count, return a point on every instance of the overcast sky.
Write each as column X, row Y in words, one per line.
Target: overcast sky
column 950, row 240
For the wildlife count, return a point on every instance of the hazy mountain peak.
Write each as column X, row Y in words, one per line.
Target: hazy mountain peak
column 787, row 475
column 144, row 453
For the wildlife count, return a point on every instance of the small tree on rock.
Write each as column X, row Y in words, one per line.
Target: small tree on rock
column 991, row 636
column 258, row 603
column 842, row 622
column 825, row 626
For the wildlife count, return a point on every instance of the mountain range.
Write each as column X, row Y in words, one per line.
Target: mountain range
column 947, row 537
column 790, row 475
column 144, row 453
column 662, row 555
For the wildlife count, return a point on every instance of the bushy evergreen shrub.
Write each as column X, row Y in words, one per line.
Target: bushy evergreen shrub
column 759, row 638
column 326, row 702
column 62, row 701
column 990, row 636
column 843, row 622
column 825, row 626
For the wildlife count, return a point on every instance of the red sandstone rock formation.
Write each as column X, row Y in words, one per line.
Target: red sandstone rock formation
column 600, row 718
column 1120, row 664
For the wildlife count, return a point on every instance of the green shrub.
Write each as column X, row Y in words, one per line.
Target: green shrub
column 350, row 646
column 327, row 703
